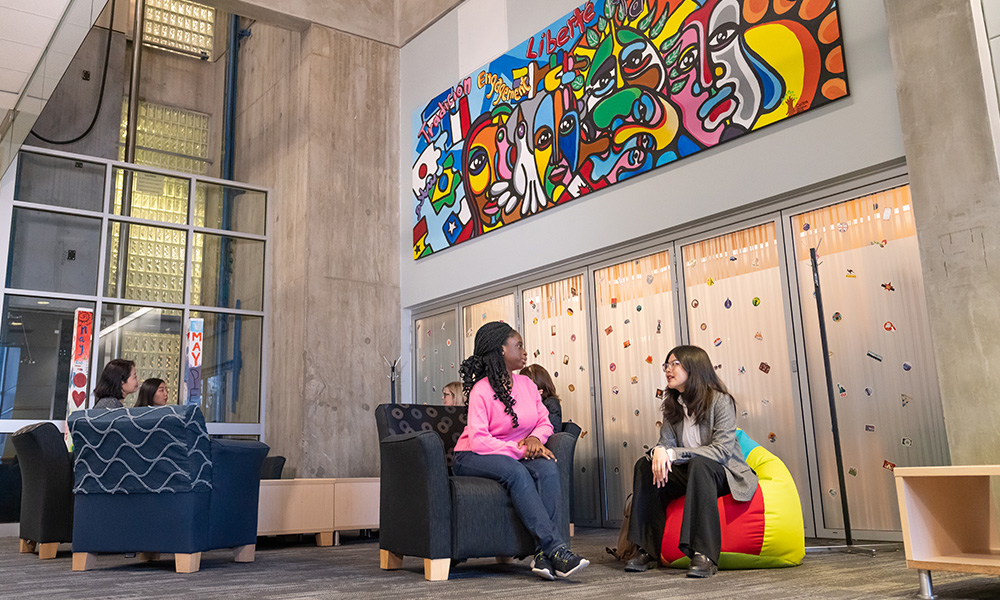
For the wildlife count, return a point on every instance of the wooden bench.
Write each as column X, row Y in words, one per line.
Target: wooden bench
column 321, row 506
column 947, row 522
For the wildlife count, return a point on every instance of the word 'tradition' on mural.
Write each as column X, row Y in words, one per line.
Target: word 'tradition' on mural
column 612, row 90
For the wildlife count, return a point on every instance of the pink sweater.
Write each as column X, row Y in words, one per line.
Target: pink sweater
column 489, row 430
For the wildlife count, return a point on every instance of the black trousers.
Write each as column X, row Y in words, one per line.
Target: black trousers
column 702, row 481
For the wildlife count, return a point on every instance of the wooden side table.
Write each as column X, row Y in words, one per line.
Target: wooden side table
column 321, row 506
column 947, row 520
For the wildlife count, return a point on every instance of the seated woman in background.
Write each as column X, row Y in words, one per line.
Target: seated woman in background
column 503, row 440
column 117, row 381
column 451, row 394
column 547, row 388
column 153, row 392
column 697, row 457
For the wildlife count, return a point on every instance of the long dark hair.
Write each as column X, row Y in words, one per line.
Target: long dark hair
column 114, row 375
column 543, row 381
column 487, row 361
column 702, row 384
column 147, row 391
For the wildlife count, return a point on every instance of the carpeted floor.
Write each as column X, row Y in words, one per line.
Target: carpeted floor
column 287, row 568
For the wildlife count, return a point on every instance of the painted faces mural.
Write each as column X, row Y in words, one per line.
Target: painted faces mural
column 613, row 90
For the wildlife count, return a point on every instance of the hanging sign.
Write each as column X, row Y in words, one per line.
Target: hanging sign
column 195, row 351
column 79, row 367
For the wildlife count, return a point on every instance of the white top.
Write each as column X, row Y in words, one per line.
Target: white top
column 691, row 437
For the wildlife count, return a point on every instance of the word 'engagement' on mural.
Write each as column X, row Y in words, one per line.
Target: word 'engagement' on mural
column 614, row 89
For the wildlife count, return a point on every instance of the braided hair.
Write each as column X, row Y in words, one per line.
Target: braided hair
column 487, row 361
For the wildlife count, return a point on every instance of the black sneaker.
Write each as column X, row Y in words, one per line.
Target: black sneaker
column 566, row 562
column 542, row 566
column 640, row 563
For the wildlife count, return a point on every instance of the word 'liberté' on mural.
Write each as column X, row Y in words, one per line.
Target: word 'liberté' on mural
column 614, row 89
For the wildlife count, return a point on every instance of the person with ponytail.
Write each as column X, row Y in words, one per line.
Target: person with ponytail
column 697, row 456
column 504, row 440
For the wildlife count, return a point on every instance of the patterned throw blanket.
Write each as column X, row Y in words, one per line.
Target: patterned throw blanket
column 162, row 449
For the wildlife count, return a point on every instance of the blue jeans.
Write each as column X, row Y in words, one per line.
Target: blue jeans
column 534, row 490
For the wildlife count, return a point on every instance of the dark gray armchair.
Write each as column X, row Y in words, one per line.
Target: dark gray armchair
column 427, row 512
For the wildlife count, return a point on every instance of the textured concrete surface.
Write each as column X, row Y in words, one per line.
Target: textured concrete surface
column 948, row 123
column 319, row 117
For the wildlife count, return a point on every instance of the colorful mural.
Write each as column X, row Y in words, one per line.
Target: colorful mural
column 611, row 91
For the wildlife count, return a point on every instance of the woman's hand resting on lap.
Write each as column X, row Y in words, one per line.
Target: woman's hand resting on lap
column 661, row 467
column 533, row 448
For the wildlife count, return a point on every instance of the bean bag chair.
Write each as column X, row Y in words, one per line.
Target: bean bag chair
column 763, row 533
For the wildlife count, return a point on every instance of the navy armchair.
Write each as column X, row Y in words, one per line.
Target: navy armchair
column 47, row 488
column 150, row 481
column 427, row 512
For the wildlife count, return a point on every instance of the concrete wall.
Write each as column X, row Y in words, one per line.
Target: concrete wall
column 846, row 136
column 948, row 104
column 317, row 122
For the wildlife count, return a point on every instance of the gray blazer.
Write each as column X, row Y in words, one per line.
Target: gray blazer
column 720, row 429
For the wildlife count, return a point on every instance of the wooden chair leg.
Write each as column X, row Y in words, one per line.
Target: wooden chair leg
column 149, row 556
column 48, row 550
column 324, row 538
column 572, row 530
column 84, row 561
column 27, row 546
column 389, row 560
column 187, row 563
column 436, row 569
column 244, row 553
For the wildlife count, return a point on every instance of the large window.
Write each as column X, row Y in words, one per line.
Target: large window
column 143, row 252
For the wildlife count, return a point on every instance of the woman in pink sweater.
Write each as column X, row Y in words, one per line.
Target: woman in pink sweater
column 504, row 440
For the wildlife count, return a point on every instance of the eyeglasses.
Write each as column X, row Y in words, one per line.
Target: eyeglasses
column 671, row 365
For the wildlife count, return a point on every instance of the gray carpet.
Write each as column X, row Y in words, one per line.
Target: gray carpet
column 287, row 568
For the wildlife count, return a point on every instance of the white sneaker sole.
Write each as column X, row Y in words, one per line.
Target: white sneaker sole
column 543, row 573
column 583, row 563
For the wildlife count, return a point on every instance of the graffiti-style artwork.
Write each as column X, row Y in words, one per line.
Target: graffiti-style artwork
column 613, row 90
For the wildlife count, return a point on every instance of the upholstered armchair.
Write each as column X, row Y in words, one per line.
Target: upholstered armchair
column 427, row 512
column 46, row 488
column 150, row 481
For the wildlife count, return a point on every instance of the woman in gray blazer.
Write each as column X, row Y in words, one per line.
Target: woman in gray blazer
column 698, row 457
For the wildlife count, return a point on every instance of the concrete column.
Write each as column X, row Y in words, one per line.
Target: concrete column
column 948, row 110
column 319, row 124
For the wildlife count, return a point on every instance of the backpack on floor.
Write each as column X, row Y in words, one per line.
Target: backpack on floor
column 626, row 549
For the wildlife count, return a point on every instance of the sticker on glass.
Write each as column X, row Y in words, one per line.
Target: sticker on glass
column 614, row 303
column 553, row 330
column 904, row 399
column 717, row 342
column 572, row 387
column 850, row 274
column 837, row 317
column 710, row 281
column 870, row 428
column 772, row 437
column 887, row 286
column 869, row 391
column 635, row 380
column 704, row 326
column 572, row 338
column 448, row 342
column 906, row 441
column 888, row 466
column 614, row 390
column 841, row 391
column 852, row 472
column 765, row 368
column 649, row 359
column 649, row 279
column 874, row 355
column 537, row 352
column 728, row 303
column 694, row 303
column 569, row 312
column 638, row 308
column 755, row 301
column 888, row 326
column 659, row 394
column 657, row 326
column 907, row 366
column 613, row 367
column 565, row 359
column 626, row 343
column 758, row 336
column 842, row 227
column 608, row 330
